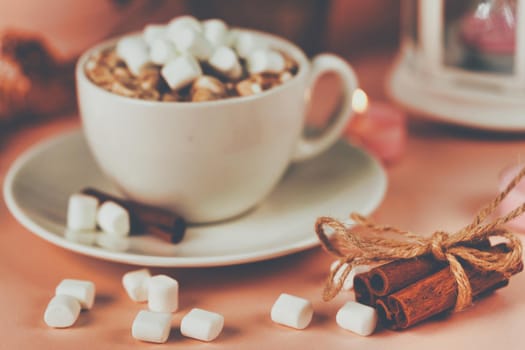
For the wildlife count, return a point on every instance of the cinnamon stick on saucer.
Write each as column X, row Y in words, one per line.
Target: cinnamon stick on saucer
column 146, row 218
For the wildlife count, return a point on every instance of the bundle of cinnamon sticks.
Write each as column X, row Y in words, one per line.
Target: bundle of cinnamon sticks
column 408, row 291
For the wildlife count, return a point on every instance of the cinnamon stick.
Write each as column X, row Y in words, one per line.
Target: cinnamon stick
column 398, row 274
column 385, row 313
column 437, row 293
column 146, row 218
column 362, row 291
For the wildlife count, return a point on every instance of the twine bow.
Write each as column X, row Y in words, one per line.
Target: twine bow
column 369, row 243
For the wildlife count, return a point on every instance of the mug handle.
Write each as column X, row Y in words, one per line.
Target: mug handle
column 322, row 64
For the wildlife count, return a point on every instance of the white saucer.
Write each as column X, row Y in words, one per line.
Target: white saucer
column 343, row 180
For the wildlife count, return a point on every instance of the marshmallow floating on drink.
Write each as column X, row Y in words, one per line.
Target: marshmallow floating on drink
column 181, row 71
column 181, row 52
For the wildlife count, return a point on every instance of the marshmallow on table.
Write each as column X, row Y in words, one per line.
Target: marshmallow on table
column 82, row 212
column 153, row 32
column 163, row 294
column 201, row 325
column 181, row 71
column 113, row 219
column 134, row 52
column 162, row 51
column 62, row 311
column 83, row 291
column 225, row 61
column 216, row 31
column 292, row 311
column 348, row 283
column 357, row 318
column 265, row 61
column 246, row 43
column 136, row 284
column 192, row 42
column 112, row 242
column 152, row 327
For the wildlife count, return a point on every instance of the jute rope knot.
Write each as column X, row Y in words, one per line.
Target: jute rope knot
column 437, row 245
column 369, row 243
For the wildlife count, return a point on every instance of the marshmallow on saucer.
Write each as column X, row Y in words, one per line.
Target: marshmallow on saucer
column 112, row 242
column 82, row 212
column 225, row 61
column 153, row 32
column 246, row 43
column 83, row 291
column 62, row 311
column 265, row 61
column 136, row 284
column 201, row 325
column 292, row 311
column 162, row 51
column 113, row 219
column 163, row 294
column 216, row 31
column 192, row 42
column 181, row 71
column 82, row 237
column 134, row 51
column 357, row 318
column 152, row 327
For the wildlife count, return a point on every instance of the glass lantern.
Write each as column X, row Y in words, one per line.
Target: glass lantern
column 463, row 62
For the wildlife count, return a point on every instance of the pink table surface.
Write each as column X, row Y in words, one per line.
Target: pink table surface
column 445, row 176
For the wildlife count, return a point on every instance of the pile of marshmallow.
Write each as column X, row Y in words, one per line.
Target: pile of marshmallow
column 84, row 214
column 180, row 45
column 153, row 325
column 184, row 46
column 161, row 292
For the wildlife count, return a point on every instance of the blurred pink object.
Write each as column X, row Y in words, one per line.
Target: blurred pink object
column 515, row 197
column 491, row 28
column 379, row 127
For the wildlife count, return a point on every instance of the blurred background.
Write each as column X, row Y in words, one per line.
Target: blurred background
column 343, row 26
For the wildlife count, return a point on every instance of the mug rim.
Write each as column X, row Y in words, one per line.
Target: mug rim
column 292, row 49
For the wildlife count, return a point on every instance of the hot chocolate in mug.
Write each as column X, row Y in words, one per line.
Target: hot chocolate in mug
column 212, row 160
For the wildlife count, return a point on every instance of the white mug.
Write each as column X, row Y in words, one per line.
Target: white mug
column 212, row 160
